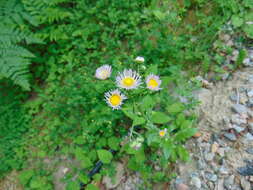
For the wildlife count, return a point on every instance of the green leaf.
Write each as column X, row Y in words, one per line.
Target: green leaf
column 85, row 162
column 105, row 156
column 175, row 108
column 182, row 153
column 160, row 118
column 73, row 185
column 91, row 187
column 153, row 69
column 167, row 148
column 185, row 134
column 237, row 21
column 25, row 176
column 140, row 156
column 147, row 103
column 158, row 14
column 113, row 143
column 128, row 111
column 138, row 121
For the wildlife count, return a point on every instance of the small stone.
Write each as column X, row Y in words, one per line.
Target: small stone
column 239, row 108
column 249, row 136
column 230, row 43
column 238, row 120
column 250, row 93
column 195, row 181
column 230, row 136
column 245, row 184
column 228, row 182
column 234, row 55
column 209, row 156
column 250, row 79
column 238, row 129
column 223, row 170
column 197, row 135
column 201, row 165
column 246, row 61
column 182, row 187
column 250, row 124
column 221, row 152
column 224, row 37
column 249, row 150
column 233, row 97
column 211, row 177
column 214, row 147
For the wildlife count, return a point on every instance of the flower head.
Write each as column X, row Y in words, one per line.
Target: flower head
column 163, row 132
column 114, row 98
column 153, row 82
column 103, row 72
column 128, row 79
column 139, row 59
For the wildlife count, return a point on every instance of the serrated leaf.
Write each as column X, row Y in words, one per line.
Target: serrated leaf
column 160, row 118
column 185, row 134
column 105, row 156
column 92, row 187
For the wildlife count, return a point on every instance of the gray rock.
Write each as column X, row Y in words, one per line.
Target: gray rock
column 250, row 93
column 223, row 170
column 201, row 165
column 249, row 150
column 182, row 187
column 230, row 136
column 209, row 156
column 249, row 136
column 236, row 119
column 239, row 108
column 229, row 182
column 233, row 97
column 196, row 182
column 238, row 129
column 211, row 177
column 250, row 79
column 245, row 184
column 247, row 62
column 250, row 127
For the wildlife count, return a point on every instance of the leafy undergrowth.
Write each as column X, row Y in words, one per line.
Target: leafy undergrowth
column 66, row 113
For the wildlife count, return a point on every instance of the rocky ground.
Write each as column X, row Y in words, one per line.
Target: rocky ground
column 222, row 151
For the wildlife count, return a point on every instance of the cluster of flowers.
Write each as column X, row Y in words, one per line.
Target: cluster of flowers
column 128, row 79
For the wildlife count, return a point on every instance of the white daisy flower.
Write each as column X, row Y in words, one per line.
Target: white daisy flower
column 103, row 72
column 163, row 132
column 153, row 82
column 114, row 98
column 139, row 59
column 128, row 79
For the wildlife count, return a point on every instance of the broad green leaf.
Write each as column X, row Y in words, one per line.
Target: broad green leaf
column 185, row 134
column 237, row 21
column 160, row 15
column 182, row 153
column 25, row 176
column 147, row 103
column 160, row 118
column 85, row 162
column 73, row 185
column 91, row 187
column 140, row 156
column 138, row 121
column 105, row 156
column 113, row 143
column 175, row 108
column 128, row 111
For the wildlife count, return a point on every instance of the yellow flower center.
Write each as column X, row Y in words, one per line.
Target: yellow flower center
column 128, row 81
column 153, row 83
column 162, row 133
column 104, row 74
column 115, row 99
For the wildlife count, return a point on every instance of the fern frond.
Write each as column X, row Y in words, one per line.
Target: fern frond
column 14, row 58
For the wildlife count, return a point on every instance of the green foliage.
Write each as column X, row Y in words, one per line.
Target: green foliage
column 13, row 127
column 14, row 34
column 67, row 107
